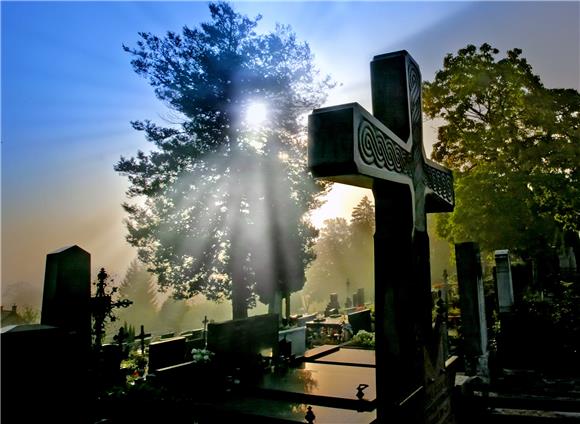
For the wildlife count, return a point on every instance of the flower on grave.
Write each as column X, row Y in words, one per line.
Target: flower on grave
column 202, row 356
column 364, row 339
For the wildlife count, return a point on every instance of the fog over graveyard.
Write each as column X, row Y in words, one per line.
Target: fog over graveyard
column 321, row 212
column 58, row 186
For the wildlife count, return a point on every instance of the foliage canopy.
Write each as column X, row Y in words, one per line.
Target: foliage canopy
column 221, row 202
column 344, row 256
column 514, row 147
column 139, row 287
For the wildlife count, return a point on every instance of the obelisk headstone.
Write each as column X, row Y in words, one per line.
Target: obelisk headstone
column 472, row 304
column 67, row 293
column 503, row 277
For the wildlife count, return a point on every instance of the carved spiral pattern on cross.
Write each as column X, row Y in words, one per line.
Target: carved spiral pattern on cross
column 440, row 182
column 415, row 91
column 376, row 148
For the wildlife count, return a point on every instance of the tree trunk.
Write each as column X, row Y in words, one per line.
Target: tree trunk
column 287, row 313
column 240, row 292
column 275, row 305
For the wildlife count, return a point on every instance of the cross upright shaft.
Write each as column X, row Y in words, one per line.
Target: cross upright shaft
column 385, row 153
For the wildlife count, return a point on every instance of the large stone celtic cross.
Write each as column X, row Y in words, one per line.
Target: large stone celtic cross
column 349, row 145
column 384, row 152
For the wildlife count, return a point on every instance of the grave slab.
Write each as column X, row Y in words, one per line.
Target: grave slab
column 322, row 384
column 319, row 351
column 248, row 409
column 166, row 352
column 349, row 357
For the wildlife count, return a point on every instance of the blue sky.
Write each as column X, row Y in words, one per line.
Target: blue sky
column 69, row 93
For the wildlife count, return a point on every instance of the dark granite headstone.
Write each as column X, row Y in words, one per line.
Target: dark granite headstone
column 333, row 306
column 334, row 301
column 67, row 294
column 503, row 279
column 166, row 352
column 512, row 341
column 111, row 355
column 348, row 303
column 360, row 297
column 360, row 320
column 40, row 370
column 244, row 337
column 472, row 305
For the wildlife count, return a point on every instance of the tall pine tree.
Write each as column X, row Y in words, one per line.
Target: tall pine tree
column 219, row 202
column 138, row 286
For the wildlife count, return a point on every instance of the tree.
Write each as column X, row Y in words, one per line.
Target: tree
column 30, row 315
column 344, row 255
column 363, row 216
column 513, row 146
column 138, row 286
column 329, row 271
column 361, row 255
column 222, row 199
column 172, row 315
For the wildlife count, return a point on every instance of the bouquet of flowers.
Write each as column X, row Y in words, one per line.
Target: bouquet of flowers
column 202, row 356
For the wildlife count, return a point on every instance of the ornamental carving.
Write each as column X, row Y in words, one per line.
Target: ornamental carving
column 376, row 148
column 440, row 182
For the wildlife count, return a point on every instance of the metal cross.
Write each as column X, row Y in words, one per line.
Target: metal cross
column 141, row 337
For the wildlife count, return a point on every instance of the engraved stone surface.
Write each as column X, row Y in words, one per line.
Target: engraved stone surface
column 503, row 273
column 324, row 380
column 384, row 152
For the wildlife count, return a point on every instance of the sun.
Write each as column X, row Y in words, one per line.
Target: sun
column 256, row 114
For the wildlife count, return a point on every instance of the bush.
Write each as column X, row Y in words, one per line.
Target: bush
column 363, row 339
column 547, row 328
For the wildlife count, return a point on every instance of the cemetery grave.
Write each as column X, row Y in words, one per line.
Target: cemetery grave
column 249, row 370
column 384, row 152
column 408, row 383
column 503, row 388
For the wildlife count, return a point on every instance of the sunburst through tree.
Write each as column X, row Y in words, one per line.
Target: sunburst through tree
column 219, row 204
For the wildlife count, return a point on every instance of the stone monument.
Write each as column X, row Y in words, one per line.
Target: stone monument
column 472, row 304
column 384, row 152
column 503, row 276
column 67, row 293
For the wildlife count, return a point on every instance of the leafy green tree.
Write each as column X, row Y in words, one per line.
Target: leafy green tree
column 513, row 146
column 219, row 202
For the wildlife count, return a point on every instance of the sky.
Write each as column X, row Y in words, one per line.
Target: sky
column 69, row 94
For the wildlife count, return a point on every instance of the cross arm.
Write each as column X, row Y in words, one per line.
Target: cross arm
column 346, row 144
column 439, row 191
